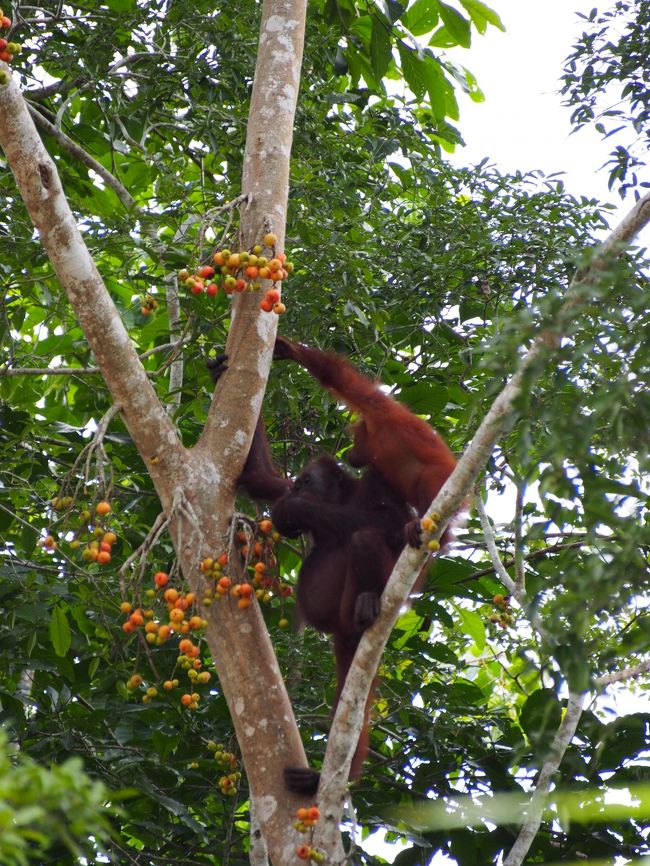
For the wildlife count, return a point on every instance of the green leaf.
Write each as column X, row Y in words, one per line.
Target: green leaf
column 482, row 15
column 60, row 634
column 422, row 17
column 540, row 717
column 380, row 48
column 413, row 69
column 456, row 25
column 473, row 625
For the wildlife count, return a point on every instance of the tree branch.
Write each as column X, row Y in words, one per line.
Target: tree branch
column 83, row 156
column 626, row 674
column 85, row 371
column 561, row 742
column 40, row 187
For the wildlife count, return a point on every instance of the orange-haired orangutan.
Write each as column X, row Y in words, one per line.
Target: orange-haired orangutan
column 404, row 449
column 358, row 527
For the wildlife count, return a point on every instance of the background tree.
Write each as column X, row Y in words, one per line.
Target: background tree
column 605, row 82
column 433, row 278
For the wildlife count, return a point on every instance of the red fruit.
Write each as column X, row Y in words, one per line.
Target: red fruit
column 197, row 288
column 303, row 852
column 240, row 285
column 212, row 289
column 252, row 272
column 314, row 813
column 160, row 579
column 103, row 557
column 3, row 44
column 267, row 306
column 273, row 296
column 104, row 545
column 206, row 272
column 5, row 23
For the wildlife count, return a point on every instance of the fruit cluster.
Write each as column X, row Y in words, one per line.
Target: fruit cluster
column 98, row 548
column 429, row 524
column 504, row 619
column 8, row 50
column 242, row 272
column 304, row 852
column 228, row 783
column 148, row 305
column 306, row 818
column 180, row 622
column 259, row 557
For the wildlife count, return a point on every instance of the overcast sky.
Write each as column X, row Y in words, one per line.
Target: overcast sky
column 522, row 124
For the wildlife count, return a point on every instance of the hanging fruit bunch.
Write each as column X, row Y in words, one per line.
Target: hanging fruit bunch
column 243, row 271
column 8, row 50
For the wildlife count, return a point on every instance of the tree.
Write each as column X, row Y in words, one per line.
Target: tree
column 605, row 81
column 431, row 276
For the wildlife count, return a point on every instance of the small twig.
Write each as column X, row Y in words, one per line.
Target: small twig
column 160, row 524
column 626, row 674
column 520, row 573
column 207, row 220
column 515, row 591
column 88, row 371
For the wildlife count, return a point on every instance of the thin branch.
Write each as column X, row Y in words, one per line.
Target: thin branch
column 87, row 371
column 530, row 557
column 626, row 674
column 561, row 741
column 520, row 571
column 83, row 156
column 490, row 543
column 515, row 590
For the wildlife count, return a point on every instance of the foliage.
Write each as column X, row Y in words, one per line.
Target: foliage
column 48, row 812
column 429, row 276
column 606, row 83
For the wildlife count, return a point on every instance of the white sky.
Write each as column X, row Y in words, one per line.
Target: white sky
column 522, row 124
